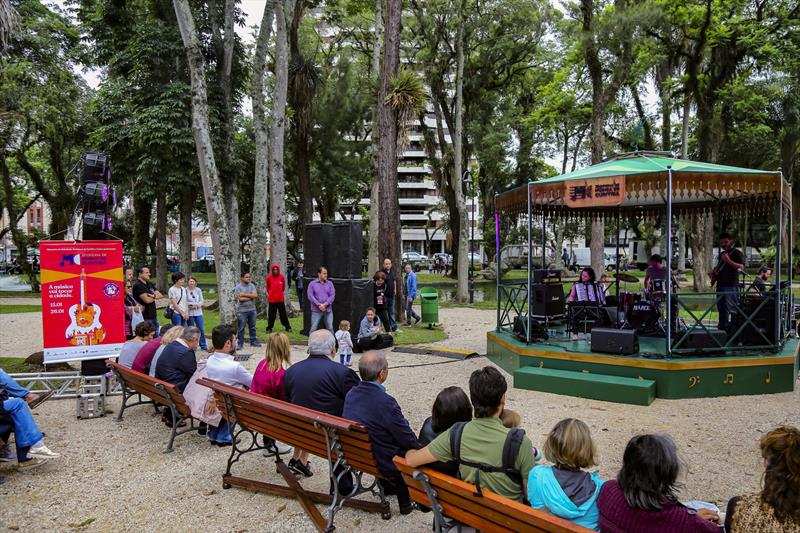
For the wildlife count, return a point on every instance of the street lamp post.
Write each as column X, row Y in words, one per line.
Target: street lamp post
column 467, row 179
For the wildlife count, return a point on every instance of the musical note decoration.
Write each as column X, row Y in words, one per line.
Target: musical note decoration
column 769, row 378
column 693, row 381
column 728, row 379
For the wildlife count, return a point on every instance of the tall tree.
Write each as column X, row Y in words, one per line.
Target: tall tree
column 277, row 181
column 389, row 243
column 607, row 39
column 458, row 164
column 373, row 260
column 258, row 250
column 218, row 220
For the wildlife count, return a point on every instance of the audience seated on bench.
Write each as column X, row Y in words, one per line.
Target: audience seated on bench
column 643, row 498
column 482, row 448
column 776, row 509
column 390, row 433
column 451, row 406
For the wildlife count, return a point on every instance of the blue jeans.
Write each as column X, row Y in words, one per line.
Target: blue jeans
column 198, row 322
column 392, row 320
column 221, row 433
column 726, row 306
column 25, row 428
column 317, row 317
column 13, row 388
column 177, row 320
column 247, row 318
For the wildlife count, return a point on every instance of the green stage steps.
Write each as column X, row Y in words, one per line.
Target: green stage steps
column 585, row 385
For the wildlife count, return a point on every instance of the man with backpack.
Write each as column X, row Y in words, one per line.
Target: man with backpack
column 490, row 455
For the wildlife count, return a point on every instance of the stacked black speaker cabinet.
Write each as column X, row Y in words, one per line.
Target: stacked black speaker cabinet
column 547, row 295
column 98, row 198
column 338, row 247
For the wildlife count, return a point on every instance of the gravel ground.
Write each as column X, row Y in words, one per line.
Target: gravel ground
column 113, row 477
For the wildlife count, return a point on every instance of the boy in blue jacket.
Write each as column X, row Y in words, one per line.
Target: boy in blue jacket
column 565, row 489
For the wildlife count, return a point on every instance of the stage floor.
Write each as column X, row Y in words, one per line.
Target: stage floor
column 570, row 367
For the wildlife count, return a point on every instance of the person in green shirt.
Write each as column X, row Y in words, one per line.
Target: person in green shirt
column 483, row 440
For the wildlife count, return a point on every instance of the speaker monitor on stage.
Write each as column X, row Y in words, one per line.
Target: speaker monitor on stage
column 615, row 341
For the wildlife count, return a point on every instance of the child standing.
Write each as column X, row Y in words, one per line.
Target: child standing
column 345, row 342
column 565, row 489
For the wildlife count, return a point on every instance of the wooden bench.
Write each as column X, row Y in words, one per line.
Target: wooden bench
column 452, row 498
column 343, row 443
column 160, row 392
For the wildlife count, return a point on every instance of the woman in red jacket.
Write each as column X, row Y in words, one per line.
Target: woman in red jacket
column 276, row 287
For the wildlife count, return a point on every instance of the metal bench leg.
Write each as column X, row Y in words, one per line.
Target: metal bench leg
column 439, row 524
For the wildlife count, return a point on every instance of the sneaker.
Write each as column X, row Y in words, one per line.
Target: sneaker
column 349, row 363
column 255, row 344
column 43, row 452
column 416, row 320
column 30, row 464
column 406, row 509
column 298, row 467
column 408, row 323
column 282, row 448
column 6, row 455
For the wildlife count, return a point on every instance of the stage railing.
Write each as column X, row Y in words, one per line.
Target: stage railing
column 513, row 302
column 760, row 322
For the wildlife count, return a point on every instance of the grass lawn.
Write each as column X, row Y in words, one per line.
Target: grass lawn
column 16, row 365
column 20, row 294
column 32, row 308
column 414, row 335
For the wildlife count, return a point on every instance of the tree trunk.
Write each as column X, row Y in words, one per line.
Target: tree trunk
column 258, row 249
column 697, row 231
column 227, row 269
column 687, row 107
column 185, row 229
column 161, row 242
column 389, row 242
column 681, row 247
column 462, row 288
column 277, row 181
column 19, row 238
column 597, row 247
column 142, row 213
column 229, row 182
column 373, row 259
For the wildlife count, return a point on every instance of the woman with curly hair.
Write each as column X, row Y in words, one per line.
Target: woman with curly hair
column 777, row 508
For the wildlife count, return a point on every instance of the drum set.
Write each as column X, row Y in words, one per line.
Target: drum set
column 644, row 310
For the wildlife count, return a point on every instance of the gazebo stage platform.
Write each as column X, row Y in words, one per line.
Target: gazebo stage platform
column 563, row 366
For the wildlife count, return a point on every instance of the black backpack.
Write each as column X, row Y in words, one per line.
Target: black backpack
column 510, row 452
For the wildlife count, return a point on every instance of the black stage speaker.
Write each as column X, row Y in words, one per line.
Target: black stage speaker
column 314, row 248
column 615, row 341
column 344, row 249
column 543, row 275
column 764, row 322
column 353, row 296
column 548, row 300
column 337, row 246
column 700, row 338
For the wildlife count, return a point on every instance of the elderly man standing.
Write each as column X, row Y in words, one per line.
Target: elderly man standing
column 388, row 429
column 318, row 382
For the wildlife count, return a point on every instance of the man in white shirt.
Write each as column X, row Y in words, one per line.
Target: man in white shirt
column 221, row 367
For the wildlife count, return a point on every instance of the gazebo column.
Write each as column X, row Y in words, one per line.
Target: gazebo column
column 669, row 261
column 530, row 264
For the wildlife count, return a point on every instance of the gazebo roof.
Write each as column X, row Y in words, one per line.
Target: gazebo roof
column 638, row 181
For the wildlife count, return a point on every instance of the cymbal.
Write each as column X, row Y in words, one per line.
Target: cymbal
column 627, row 278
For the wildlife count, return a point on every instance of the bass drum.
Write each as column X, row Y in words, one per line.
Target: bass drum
column 643, row 317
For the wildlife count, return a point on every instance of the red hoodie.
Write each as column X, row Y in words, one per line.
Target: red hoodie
column 275, row 286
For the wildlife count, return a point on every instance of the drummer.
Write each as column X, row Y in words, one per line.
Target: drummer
column 656, row 270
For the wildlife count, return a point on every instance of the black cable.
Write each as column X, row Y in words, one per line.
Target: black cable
column 431, row 364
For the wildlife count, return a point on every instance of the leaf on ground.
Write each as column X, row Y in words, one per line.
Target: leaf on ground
column 83, row 524
column 281, row 507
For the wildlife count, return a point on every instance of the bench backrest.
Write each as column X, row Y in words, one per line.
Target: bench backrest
column 146, row 385
column 489, row 513
column 296, row 426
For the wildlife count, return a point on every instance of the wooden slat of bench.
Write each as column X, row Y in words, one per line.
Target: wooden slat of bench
column 146, row 385
column 278, row 405
column 460, row 494
column 309, row 438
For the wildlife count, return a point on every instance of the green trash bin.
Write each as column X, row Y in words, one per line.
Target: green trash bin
column 430, row 305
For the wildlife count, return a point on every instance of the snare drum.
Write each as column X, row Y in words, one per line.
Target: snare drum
column 657, row 286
